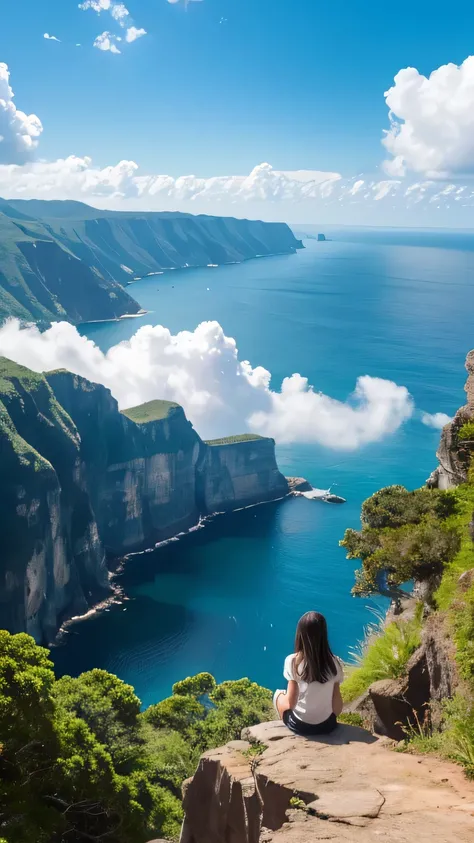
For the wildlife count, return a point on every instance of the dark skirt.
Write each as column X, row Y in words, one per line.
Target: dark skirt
column 301, row 728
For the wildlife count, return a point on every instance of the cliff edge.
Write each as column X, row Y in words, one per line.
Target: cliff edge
column 83, row 483
column 346, row 787
column 455, row 448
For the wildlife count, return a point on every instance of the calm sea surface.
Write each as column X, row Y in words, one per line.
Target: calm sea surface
column 226, row 598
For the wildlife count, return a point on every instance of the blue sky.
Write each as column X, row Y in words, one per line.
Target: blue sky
column 220, row 86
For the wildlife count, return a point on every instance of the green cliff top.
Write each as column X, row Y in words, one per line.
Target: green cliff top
column 234, row 440
column 9, row 370
column 151, row 411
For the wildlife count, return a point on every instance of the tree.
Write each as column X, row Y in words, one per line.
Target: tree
column 58, row 781
column 395, row 506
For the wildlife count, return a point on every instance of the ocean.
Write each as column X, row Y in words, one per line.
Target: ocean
column 225, row 599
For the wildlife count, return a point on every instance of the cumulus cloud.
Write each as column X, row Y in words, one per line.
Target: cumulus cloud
column 220, row 393
column 51, row 37
column 436, row 420
column 431, row 121
column 133, row 33
column 107, row 42
column 19, row 132
column 119, row 12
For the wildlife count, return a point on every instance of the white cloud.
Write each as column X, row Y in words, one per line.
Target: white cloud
column 120, row 13
column 96, row 5
column 431, row 121
column 19, row 132
column 51, row 37
column 107, row 42
column 220, row 393
column 265, row 192
column 436, row 420
column 133, row 33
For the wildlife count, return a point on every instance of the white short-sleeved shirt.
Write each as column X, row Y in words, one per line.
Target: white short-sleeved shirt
column 314, row 698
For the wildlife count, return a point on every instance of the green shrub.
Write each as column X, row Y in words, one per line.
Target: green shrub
column 384, row 657
column 413, row 551
column 195, row 686
column 466, row 432
column 351, row 718
column 395, row 506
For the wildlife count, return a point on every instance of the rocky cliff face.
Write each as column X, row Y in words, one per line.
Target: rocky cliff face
column 66, row 260
column 82, row 481
column 230, row 471
column 454, row 452
column 345, row 787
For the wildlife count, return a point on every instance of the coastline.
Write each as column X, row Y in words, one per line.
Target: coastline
column 118, row 596
column 166, row 269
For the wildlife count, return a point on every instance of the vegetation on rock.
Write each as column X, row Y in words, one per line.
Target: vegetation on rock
column 151, row 411
column 233, row 440
column 385, row 657
column 404, row 536
column 423, row 535
column 78, row 761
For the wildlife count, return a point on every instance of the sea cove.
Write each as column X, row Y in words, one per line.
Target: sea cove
column 226, row 598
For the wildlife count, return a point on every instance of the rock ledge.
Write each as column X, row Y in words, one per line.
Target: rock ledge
column 350, row 785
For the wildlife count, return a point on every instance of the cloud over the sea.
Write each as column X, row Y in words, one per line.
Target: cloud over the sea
column 436, row 420
column 220, row 393
column 432, row 121
column 19, row 132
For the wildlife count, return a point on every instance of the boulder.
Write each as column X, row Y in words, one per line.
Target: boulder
column 298, row 484
column 402, row 703
column 347, row 786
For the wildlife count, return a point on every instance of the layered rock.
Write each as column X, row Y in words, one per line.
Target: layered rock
column 82, row 481
column 230, row 470
column 66, row 260
column 454, row 453
column 343, row 787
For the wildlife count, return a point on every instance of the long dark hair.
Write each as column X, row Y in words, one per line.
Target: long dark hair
column 314, row 661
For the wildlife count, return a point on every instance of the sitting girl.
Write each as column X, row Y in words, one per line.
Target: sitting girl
column 313, row 699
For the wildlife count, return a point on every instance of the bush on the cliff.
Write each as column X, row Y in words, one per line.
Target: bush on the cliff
column 393, row 556
column 216, row 719
column 383, row 657
column 466, row 432
column 57, row 779
column 395, row 506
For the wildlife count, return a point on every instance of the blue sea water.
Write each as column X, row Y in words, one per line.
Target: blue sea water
column 226, row 599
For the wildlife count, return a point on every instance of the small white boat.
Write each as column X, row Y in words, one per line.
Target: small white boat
column 330, row 498
column 324, row 495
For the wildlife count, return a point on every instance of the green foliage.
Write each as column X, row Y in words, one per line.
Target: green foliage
column 384, row 657
column 255, row 750
column 466, row 432
column 234, row 440
column 464, row 558
column 58, row 775
column 233, row 706
column 395, row 506
column 412, row 551
column 180, row 712
column 195, row 686
column 151, row 411
column 351, row 718
column 455, row 740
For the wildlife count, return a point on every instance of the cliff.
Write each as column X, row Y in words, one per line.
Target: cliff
column 66, row 260
column 82, row 482
column 229, row 471
column 455, row 449
column 276, row 787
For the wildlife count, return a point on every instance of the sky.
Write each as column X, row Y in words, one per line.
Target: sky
column 304, row 111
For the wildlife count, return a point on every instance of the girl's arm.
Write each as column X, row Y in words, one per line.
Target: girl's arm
column 289, row 699
column 337, row 703
column 292, row 693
